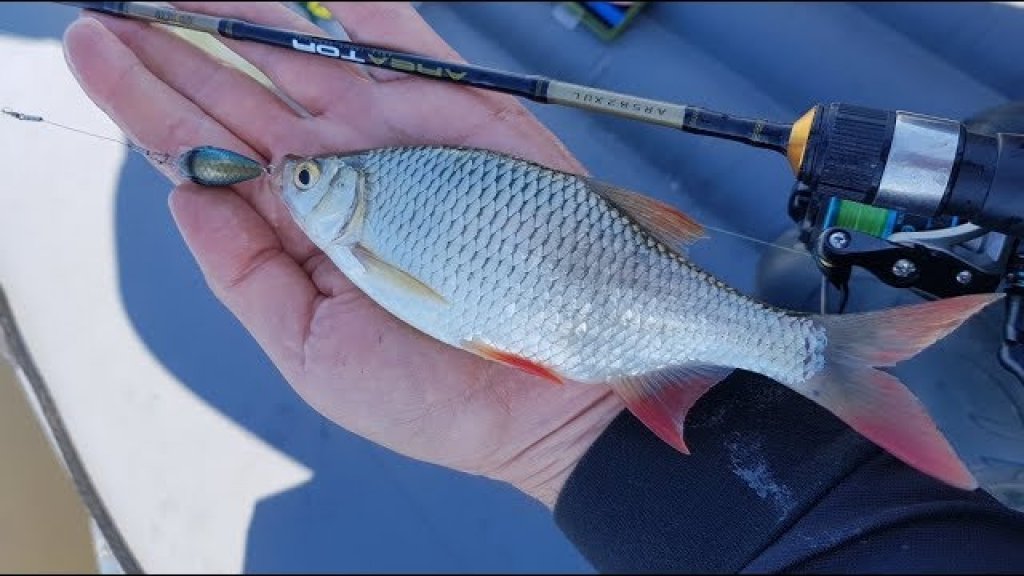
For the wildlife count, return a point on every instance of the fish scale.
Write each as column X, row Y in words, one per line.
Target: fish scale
column 575, row 280
column 583, row 256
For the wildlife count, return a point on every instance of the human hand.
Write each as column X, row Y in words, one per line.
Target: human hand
column 349, row 358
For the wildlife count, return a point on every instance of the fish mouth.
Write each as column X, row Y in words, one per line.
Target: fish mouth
column 277, row 179
column 278, row 170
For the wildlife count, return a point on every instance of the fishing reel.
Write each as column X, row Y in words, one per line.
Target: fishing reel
column 941, row 255
column 936, row 257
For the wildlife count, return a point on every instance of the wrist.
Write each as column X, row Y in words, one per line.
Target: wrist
column 542, row 470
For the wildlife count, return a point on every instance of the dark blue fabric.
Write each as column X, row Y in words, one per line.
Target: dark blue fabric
column 774, row 483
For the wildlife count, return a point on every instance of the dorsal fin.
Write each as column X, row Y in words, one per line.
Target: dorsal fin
column 664, row 222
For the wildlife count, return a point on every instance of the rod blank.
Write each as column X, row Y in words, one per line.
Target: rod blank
column 753, row 132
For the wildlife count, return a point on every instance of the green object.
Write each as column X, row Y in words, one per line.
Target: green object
column 606, row 28
column 863, row 218
column 315, row 11
column 318, row 14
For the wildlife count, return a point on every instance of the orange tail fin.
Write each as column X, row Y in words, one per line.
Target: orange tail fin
column 877, row 404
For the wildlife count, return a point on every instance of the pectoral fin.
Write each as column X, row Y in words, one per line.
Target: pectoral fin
column 394, row 276
column 661, row 399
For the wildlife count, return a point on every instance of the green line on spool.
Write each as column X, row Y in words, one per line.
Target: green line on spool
column 862, row 217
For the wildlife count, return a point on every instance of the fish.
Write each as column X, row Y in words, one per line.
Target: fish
column 579, row 281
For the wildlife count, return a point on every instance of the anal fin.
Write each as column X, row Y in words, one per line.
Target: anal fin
column 662, row 399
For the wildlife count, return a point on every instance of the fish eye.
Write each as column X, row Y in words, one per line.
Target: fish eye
column 306, row 175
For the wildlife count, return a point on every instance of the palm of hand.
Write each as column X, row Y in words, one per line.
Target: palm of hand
column 346, row 356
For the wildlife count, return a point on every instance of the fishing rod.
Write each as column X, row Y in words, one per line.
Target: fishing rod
column 892, row 159
column 758, row 133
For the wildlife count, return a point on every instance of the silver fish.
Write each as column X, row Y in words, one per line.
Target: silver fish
column 577, row 280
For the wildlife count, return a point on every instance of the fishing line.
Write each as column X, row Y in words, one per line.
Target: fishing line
column 166, row 159
column 158, row 157
column 823, row 297
column 755, row 240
